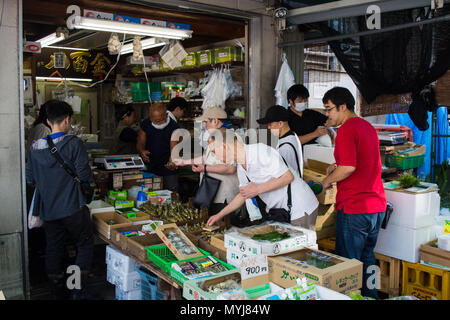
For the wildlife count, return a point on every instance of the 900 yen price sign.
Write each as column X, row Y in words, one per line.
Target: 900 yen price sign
column 254, row 266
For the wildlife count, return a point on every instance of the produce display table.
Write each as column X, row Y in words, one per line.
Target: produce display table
column 149, row 265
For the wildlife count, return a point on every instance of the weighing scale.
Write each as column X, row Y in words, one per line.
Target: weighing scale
column 116, row 162
column 389, row 138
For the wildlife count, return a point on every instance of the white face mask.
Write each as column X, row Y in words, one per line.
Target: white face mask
column 205, row 135
column 161, row 126
column 301, row 106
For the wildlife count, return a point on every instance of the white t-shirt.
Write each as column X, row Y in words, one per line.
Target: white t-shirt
column 288, row 153
column 172, row 116
column 265, row 163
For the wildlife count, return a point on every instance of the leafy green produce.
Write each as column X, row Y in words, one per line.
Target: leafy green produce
column 355, row 296
column 271, row 236
column 408, row 181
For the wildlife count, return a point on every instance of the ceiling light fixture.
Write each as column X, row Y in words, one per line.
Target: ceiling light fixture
column 68, row 48
column 63, row 79
column 79, row 22
column 146, row 44
column 51, row 39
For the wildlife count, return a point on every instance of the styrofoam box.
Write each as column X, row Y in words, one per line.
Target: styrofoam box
column 413, row 210
column 322, row 292
column 235, row 257
column 99, row 206
column 237, row 242
column 319, row 153
column 403, row 243
column 124, row 281
column 128, row 295
column 119, row 261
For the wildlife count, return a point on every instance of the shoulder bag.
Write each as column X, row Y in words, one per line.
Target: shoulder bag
column 86, row 188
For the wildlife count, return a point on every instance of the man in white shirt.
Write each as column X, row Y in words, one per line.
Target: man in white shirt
column 261, row 173
column 289, row 145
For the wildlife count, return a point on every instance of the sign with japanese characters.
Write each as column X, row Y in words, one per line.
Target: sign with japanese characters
column 73, row 64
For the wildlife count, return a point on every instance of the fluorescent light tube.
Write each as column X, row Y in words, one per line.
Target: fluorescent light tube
column 146, row 44
column 67, row 48
column 130, row 28
column 62, row 79
column 50, row 39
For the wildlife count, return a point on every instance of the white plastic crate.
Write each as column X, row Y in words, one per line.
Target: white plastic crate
column 128, row 295
column 403, row 243
column 124, row 281
column 413, row 210
column 119, row 261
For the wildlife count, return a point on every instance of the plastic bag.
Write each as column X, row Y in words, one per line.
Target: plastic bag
column 33, row 221
column 285, row 81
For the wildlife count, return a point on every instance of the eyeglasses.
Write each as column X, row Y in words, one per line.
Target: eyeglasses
column 329, row 109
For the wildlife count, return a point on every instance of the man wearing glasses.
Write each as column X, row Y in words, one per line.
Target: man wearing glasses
column 360, row 199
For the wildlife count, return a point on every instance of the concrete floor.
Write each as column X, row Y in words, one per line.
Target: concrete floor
column 98, row 287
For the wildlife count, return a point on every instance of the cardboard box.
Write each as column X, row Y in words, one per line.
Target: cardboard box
column 140, row 216
column 429, row 252
column 345, row 275
column 159, row 196
column 326, row 221
column 413, row 150
column 326, row 196
column 240, row 240
column 195, row 289
column 123, row 241
column 218, row 241
column 164, row 230
column 137, row 245
column 100, row 221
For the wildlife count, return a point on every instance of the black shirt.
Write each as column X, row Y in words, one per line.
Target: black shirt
column 307, row 123
column 158, row 143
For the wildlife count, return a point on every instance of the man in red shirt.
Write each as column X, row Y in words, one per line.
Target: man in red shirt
column 360, row 199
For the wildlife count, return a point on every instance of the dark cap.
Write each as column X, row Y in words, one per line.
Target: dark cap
column 273, row 114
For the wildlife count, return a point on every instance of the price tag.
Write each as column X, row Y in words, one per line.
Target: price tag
column 447, row 227
column 254, row 266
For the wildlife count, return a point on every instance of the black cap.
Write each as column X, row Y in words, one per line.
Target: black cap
column 273, row 114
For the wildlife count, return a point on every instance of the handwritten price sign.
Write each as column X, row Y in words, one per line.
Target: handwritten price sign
column 254, row 266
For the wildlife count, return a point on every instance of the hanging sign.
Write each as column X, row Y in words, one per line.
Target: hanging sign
column 77, row 64
column 32, row 47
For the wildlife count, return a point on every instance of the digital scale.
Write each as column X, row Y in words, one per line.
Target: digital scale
column 389, row 138
column 114, row 162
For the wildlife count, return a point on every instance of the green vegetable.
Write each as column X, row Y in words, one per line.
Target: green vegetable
column 408, row 181
column 355, row 296
column 271, row 236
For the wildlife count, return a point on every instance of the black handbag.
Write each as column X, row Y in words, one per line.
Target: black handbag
column 275, row 214
column 206, row 191
column 86, row 188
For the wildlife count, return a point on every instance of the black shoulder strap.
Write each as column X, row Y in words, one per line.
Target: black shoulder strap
column 54, row 152
column 296, row 156
column 289, row 194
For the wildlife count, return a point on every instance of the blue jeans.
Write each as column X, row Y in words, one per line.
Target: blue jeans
column 356, row 237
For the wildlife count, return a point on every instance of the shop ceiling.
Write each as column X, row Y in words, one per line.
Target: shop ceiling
column 42, row 17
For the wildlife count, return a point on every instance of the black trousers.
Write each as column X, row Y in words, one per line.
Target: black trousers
column 79, row 227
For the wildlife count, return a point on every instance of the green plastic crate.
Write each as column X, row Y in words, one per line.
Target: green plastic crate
column 163, row 257
column 258, row 291
column 180, row 278
column 404, row 163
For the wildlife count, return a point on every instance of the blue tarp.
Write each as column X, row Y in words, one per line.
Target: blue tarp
column 424, row 137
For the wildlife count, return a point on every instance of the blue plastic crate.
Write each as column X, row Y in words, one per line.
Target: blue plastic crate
column 149, row 286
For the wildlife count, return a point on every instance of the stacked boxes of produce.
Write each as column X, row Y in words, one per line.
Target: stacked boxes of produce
column 121, row 272
column 205, row 57
column 266, row 239
column 323, row 268
column 190, row 61
column 411, row 223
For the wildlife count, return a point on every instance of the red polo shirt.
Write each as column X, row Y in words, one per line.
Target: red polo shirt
column 357, row 145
